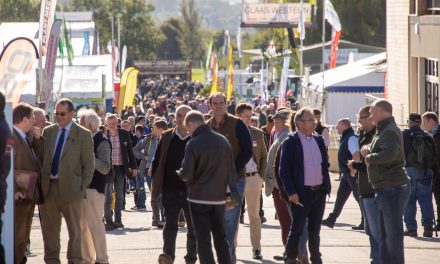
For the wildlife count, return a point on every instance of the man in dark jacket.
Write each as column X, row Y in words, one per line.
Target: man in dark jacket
column 306, row 183
column 167, row 160
column 385, row 161
column 348, row 150
column 421, row 176
column 124, row 165
column 431, row 124
column 207, row 177
column 366, row 193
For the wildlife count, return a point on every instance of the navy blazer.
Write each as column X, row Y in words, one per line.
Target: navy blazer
column 292, row 167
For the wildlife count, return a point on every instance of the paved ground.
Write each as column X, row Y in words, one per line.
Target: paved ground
column 138, row 242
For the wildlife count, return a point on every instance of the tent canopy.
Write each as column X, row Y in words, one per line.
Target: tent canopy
column 363, row 76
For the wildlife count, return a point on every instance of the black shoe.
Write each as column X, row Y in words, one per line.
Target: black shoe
column 165, row 259
column 411, row 233
column 257, row 254
column 359, row 227
column 263, row 219
column 291, row 261
column 160, row 224
column 142, row 208
column 428, row 231
column 118, row 225
column 328, row 223
column 279, row 258
column 134, row 208
column 241, row 219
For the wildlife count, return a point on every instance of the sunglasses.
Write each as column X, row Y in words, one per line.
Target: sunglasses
column 61, row 113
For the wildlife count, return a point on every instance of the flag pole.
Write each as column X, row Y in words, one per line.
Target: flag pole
column 301, row 65
column 323, row 44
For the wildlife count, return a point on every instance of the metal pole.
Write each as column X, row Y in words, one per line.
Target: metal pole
column 113, row 62
column 118, row 16
column 301, row 65
column 323, row 57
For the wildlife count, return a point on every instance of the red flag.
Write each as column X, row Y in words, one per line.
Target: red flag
column 334, row 49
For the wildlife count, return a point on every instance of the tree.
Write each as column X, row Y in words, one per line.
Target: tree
column 170, row 47
column 138, row 30
column 19, row 10
column 190, row 35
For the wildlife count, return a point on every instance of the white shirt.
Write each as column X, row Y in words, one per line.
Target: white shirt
column 251, row 166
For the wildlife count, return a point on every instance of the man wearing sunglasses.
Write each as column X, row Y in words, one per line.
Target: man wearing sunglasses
column 68, row 167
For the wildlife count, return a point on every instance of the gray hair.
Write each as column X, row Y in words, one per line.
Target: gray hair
column 39, row 111
column 299, row 114
column 194, row 116
column 90, row 118
column 183, row 107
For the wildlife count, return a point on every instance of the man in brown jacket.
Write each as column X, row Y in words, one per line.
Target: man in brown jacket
column 26, row 159
column 255, row 174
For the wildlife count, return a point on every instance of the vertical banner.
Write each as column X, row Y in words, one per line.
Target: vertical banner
column 334, row 49
column 51, row 58
column 16, row 62
column 230, row 75
column 130, row 87
column 47, row 12
column 124, row 57
column 214, row 87
column 208, row 60
column 86, row 48
column 263, row 83
column 122, row 87
column 239, row 42
column 283, row 81
column 68, row 43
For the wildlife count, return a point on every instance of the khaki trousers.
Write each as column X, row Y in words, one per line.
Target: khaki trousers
column 23, row 222
column 93, row 229
column 51, row 212
column 252, row 194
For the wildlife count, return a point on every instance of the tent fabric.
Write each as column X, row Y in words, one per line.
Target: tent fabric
column 354, row 76
column 359, row 89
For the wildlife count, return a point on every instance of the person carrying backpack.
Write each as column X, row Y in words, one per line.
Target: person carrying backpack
column 420, row 166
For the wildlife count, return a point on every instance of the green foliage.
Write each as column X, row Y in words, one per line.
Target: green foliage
column 170, row 47
column 190, row 36
column 19, row 10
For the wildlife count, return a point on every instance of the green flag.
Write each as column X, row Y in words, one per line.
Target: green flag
column 68, row 44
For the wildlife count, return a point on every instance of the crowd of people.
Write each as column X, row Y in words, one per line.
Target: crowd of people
column 203, row 159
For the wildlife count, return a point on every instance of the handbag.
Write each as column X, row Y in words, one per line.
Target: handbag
column 29, row 184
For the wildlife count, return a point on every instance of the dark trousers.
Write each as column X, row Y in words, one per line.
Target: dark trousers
column 207, row 219
column 346, row 187
column 313, row 210
column 283, row 215
column 173, row 201
column 437, row 201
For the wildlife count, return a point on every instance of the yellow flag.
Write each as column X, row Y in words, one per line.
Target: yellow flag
column 312, row 2
column 230, row 75
column 131, row 87
column 122, row 88
column 214, row 74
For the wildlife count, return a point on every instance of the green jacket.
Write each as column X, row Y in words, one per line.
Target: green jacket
column 387, row 157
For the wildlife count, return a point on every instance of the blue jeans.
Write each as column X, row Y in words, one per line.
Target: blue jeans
column 421, row 191
column 140, row 189
column 119, row 191
column 371, row 223
column 391, row 202
column 232, row 217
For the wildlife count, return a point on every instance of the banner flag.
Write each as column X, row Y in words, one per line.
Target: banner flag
column 51, row 57
column 130, row 87
column 301, row 26
column 283, row 81
column 239, row 43
column 214, row 87
column 331, row 16
column 122, row 87
column 334, row 49
column 47, row 12
column 68, row 43
column 230, row 75
column 16, row 62
column 124, row 57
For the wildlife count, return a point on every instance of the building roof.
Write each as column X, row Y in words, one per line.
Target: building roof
column 76, row 16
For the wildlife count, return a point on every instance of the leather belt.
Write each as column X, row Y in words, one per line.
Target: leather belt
column 54, row 180
column 313, row 188
column 250, row 174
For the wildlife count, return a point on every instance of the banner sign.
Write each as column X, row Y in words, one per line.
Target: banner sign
column 281, row 15
column 16, row 62
column 51, row 59
column 47, row 12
